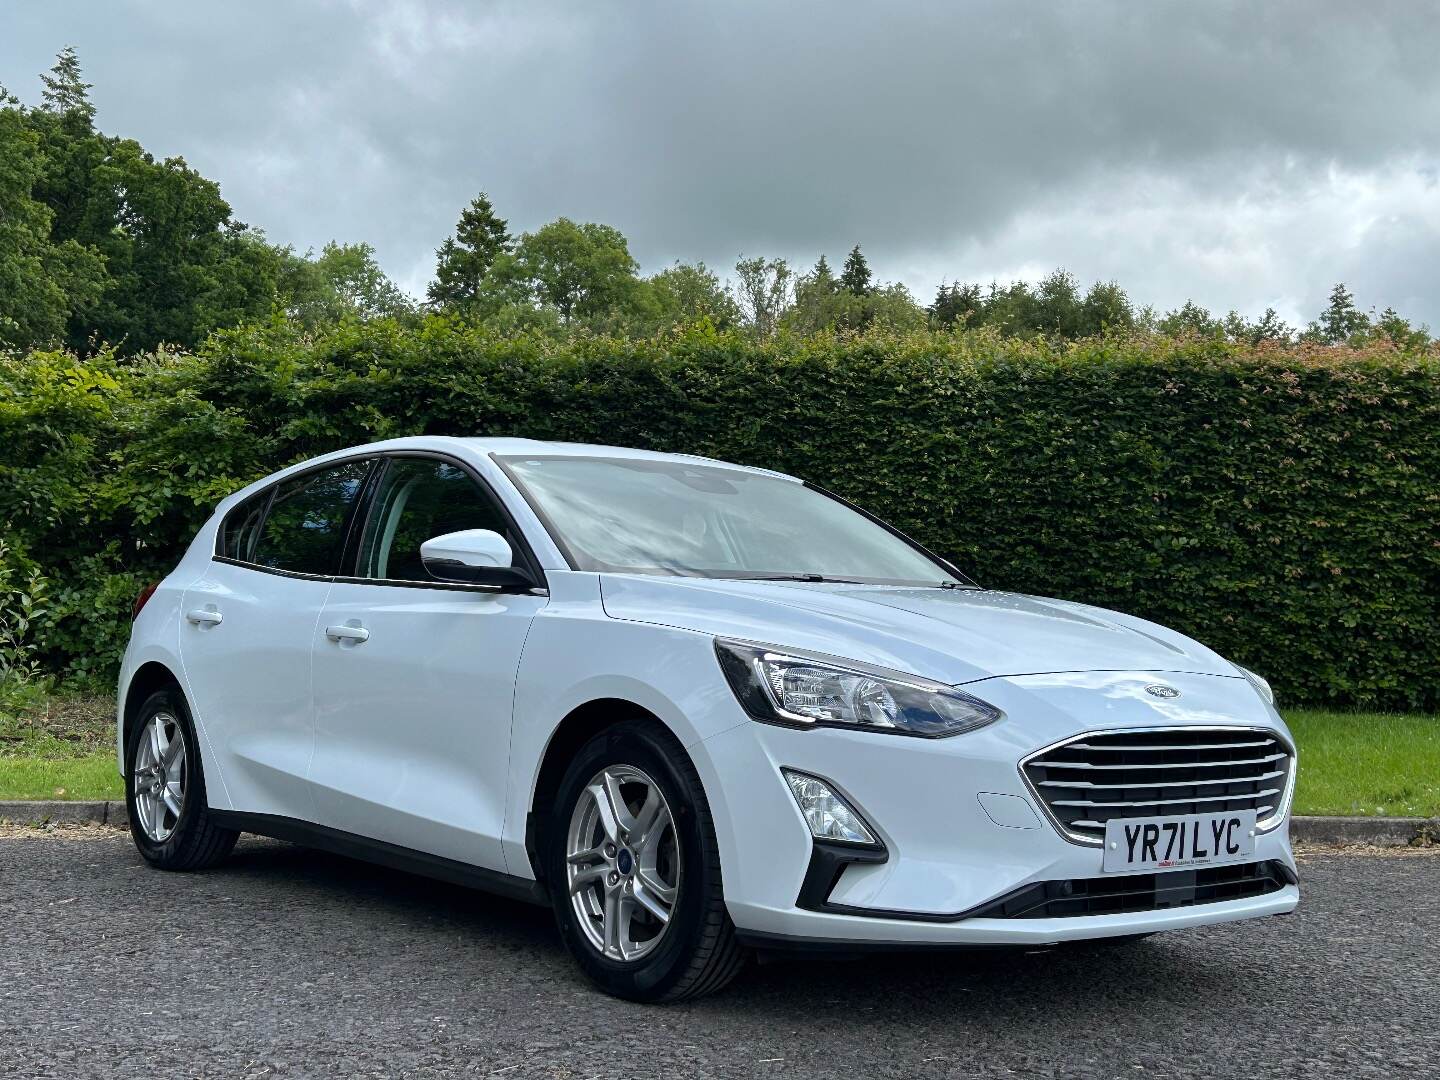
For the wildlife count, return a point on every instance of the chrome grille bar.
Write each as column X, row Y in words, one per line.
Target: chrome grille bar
column 1172, row 783
column 1166, row 764
column 1169, row 802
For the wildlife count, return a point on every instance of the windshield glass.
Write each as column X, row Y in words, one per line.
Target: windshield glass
column 636, row 515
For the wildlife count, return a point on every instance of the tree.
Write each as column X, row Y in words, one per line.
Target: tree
column 144, row 251
column 43, row 284
column 344, row 281
column 820, row 301
column 179, row 265
column 464, row 260
column 66, row 93
column 764, row 293
column 1399, row 330
column 688, row 293
column 1191, row 319
column 956, row 304
column 1057, row 305
column 1269, row 327
column 855, row 275
column 581, row 270
column 824, row 303
column 1105, row 308
column 1341, row 320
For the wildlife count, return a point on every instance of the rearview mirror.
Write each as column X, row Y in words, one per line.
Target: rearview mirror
column 475, row 557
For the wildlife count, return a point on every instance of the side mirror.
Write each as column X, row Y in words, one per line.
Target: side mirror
column 475, row 557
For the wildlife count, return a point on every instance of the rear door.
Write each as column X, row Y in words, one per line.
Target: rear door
column 246, row 634
column 415, row 678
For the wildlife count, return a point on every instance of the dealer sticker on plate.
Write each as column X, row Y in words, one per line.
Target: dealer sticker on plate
column 1171, row 843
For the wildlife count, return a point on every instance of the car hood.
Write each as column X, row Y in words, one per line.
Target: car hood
column 952, row 635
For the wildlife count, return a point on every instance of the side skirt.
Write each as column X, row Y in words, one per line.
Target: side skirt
column 379, row 852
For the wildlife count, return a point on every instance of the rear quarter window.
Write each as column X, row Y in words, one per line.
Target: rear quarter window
column 241, row 527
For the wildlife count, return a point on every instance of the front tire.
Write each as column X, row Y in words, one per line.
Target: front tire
column 633, row 868
column 170, row 819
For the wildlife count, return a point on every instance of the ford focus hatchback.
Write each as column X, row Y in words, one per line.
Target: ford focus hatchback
column 695, row 708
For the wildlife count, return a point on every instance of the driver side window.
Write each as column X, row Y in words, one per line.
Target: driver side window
column 419, row 499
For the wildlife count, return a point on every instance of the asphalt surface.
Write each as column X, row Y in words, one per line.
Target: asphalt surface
column 291, row 963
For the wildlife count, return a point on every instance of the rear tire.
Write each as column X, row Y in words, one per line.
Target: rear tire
column 170, row 818
column 656, row 805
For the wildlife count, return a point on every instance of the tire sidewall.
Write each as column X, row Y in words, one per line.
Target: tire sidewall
column 165, row 701
column 640, row 745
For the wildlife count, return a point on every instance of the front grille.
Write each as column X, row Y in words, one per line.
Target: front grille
column 1160, row 772
column 1139, row 892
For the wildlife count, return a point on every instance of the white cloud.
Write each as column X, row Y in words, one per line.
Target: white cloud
column 1244, row 155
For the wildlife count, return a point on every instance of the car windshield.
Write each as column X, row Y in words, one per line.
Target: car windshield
column 649, row 516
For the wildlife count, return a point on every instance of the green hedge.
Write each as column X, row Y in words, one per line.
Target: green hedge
column 1279, row 504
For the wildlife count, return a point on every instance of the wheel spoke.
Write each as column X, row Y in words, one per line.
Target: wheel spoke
column 650, row 881
column 650, row 820
column 157, row 740
column 174, row 752
column 650, row 903
column 173, row 796
column 623, row 817
column 625, row 910
column 611, row 928
column 583, row 879
column 583, row 858
column 606, row 810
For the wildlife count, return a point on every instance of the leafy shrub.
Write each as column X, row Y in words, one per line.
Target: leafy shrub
column 1280, row 504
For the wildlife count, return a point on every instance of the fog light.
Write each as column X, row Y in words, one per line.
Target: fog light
column 829, row 816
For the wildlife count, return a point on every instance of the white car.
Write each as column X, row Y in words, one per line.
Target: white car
column 697, row 708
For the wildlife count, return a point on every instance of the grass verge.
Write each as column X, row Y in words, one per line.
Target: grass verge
column 1382, row 764
column 60, row 746
column 92, row 777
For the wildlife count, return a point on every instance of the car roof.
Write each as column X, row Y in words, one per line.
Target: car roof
column 510, row 447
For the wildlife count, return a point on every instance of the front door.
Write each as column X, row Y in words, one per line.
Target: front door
column 245, row 641
column 414, row 678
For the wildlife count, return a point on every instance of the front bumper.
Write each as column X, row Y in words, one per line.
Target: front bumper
column 959, row 826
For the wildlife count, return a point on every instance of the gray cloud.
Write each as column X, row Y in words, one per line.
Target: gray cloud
column 1243, row 155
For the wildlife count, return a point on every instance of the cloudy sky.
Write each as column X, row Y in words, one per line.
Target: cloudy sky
column 1241, row 154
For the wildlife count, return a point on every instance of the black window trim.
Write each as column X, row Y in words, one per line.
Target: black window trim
column 359, row 516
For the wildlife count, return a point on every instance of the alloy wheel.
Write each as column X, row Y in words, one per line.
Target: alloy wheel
column 623, row 863
column 159, row 776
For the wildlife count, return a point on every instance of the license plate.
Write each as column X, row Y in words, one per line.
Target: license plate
column 1170, row 843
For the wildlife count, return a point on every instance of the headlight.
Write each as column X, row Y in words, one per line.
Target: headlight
column 782, row 686
column 1259, row 683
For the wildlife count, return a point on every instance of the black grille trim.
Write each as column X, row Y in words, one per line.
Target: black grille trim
column 1088, row 779
column 1139, row 892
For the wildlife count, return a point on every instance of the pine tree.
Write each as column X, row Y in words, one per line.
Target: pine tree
column 822, row 278
column 66, row 93
column 855, row 276
column 1341, row 319
column 463, row 261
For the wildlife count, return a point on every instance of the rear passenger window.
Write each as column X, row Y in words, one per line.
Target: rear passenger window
column 304, row 530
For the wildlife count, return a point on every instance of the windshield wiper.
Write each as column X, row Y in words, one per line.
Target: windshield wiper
column 957, row 585
column 819, row 578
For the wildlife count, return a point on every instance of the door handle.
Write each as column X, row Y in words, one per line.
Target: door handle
column 204, row 617
column 356, row 634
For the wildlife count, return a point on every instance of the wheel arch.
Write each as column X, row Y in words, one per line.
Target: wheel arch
column 578, row 727
column 149, row 677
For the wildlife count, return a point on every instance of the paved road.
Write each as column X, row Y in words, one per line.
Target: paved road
column 291, row 963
